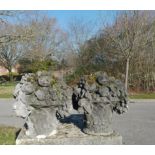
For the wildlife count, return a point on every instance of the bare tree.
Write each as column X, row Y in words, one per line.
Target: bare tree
column 79, row 32
column 12, row 39
column 48, row 38
column 126, row 35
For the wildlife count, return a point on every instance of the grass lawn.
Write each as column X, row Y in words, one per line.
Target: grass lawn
column 6, row 90
column 7, row 135
column 143, row 96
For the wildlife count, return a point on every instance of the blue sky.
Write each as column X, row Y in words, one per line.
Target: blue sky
column 65, row 16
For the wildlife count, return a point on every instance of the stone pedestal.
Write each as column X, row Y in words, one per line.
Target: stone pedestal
column 69, row 134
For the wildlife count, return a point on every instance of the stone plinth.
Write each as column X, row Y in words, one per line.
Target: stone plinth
column 69, row 134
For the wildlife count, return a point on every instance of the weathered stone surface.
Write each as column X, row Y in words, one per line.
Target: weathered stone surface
column 21, row 109
column 40, row 94
column 44, row 79
column 68, row 134
column 99, row 103
column 50, row 108
column 17, row 90
column 28, row 88
column 36, row 104
column 39, row 102
column 102, row 79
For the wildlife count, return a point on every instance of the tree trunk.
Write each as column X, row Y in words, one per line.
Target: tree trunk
column 10, row 76
column 127, row 74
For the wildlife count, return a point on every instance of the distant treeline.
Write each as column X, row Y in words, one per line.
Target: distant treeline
column 124, row 48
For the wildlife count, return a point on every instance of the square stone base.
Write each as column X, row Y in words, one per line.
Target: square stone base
column 69, row 134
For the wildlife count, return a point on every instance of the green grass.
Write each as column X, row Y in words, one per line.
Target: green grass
column 143, row 96
column 7, row 135
column 7, row 90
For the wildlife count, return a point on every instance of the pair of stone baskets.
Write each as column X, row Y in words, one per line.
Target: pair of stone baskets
column 55, row 113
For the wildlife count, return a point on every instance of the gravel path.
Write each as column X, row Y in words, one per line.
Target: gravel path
column 137, row 126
